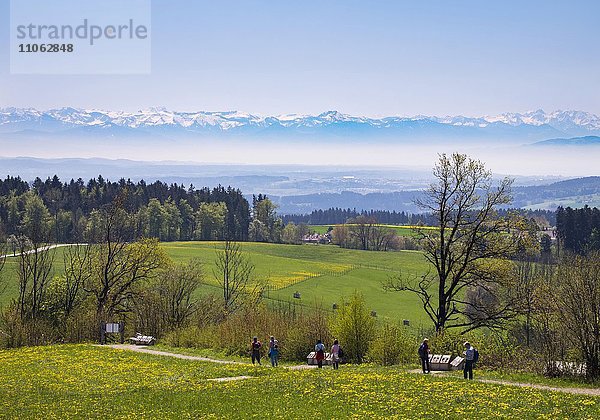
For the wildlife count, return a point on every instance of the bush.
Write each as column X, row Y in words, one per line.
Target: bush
column 354, row 327
column 17, row 332
column 296, row 331
column 496, row 350
column 192, row 337
column 501, row 351
column 448, row 342
column 393, row 345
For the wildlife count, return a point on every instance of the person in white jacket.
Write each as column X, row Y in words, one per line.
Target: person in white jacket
column 469, row 354
column 335, row 354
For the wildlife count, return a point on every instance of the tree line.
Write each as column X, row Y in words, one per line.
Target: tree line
column 54, row 211
column 578, row 230
column 61, row 212
column 336, row 215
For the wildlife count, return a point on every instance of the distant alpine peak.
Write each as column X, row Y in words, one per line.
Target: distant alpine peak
column 540, row 117
column 564, row 121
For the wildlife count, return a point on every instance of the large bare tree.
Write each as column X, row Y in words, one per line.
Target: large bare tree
column 34, row 273
column 118, row 266
column 468, row 247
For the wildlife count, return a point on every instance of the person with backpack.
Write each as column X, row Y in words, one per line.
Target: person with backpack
column 255, row 348
column 471, row 357
column 320, row 353
column 424, row 355
column 336, row 354
column 273, row 351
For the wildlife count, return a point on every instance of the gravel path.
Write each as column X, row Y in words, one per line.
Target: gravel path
column 593, row 392
column 40, row 249
column 144, row 349
column 229, row 379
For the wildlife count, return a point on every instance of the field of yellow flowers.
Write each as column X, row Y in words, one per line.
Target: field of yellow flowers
column 83, row 381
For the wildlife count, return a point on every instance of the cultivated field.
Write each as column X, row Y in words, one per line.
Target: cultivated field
column 83, row 381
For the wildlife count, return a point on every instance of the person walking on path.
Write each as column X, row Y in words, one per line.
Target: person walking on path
column 470, row 359
column 336, row 354
column 424, row 355
column 320, row 353
column 255, row 346
column 274, row 351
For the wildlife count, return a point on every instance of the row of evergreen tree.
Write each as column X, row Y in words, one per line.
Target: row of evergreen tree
column 336, row 215
column 169, row 212
column 578, row 230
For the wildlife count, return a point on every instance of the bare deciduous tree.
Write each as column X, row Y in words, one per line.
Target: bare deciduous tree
column 118, row 265
column 361, row 230
column 77, row 261
column 3, row 255
column 34, row 269
column 176, row 287
column 466, row 249
column 235, row 273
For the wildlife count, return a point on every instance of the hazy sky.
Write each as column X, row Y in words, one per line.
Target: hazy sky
column 371, row 58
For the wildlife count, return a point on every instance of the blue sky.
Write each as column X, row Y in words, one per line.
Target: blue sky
column 369, row 58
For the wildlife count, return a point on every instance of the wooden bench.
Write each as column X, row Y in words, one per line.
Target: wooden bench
column 142, row 340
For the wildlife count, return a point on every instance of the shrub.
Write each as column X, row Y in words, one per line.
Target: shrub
column 296, row 331
column 192, row 337
column 393, row 345
column 354, row 327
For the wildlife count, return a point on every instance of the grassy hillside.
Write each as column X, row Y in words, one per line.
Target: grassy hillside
column 91, row 382
column 323, row 274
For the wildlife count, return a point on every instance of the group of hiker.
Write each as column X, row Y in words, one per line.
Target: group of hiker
column 471, row 356
column 256, row 346
column 336, row 354
column 273, row 354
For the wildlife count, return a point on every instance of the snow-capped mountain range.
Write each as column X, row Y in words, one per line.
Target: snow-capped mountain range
column 529, row 125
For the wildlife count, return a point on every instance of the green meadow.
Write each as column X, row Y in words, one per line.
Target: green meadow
column 322, row 274
column 84, row 381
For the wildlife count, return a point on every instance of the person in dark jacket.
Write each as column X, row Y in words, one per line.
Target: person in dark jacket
column 255, row 348
column 424, row 355
column 320, row 353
